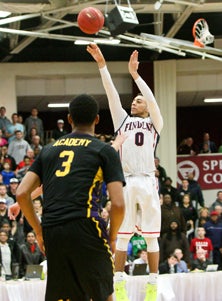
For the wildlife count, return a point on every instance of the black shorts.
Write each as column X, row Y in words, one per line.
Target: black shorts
column 79, row 259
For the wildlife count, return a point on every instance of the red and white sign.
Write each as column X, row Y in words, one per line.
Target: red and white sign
column 207, row 170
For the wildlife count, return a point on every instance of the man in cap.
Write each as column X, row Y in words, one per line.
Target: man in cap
column 59, row 131
column 213, row 229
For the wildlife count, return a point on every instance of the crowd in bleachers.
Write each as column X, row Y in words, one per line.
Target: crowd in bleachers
column 191, row 234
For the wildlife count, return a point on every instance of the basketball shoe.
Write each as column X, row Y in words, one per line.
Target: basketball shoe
column 151, row 292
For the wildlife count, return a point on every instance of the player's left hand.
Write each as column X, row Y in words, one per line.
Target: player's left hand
column 133, row 64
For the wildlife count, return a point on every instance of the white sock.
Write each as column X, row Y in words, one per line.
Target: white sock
column 153, row 278
column 118, row 276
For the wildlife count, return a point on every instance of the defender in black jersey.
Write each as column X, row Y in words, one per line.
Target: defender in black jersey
column 72, row 169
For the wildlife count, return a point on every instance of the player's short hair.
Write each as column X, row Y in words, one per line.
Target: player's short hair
column 83, row 109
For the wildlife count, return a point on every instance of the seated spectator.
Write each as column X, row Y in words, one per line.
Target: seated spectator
column 201, row 262
column 30, row 154
column 7, row 173
column 211, row 144
column 205, row 148
column 30, row 253
column 141, row 259
column 181, row 264
column 174, row 239
column 200, row 241
column 169, row 266
column 5, row 157
column 187, row 147
column 169, row 212
column 21, row 172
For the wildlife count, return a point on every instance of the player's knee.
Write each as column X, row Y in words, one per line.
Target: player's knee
column 122, row 244
column 152, row 244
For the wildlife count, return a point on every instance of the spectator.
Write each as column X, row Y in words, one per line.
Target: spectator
column 22, row 171
column 213, row 229
column 200, row 263
column 18, row 147
column 167, row 188
column 33, row 121
column 189, row 213
column 11, row 190
column 4, row 196
column 141, row 259
column 188, row 147
column 169, row 212
column 211, row 144
column 160, row 172
column 7, row 173
column 203, row 216
column 218, row 201
column 169, row 266
column 3, row 141
column 5, row 157
column 205, row 148
column 4, row 217
column 184, row 188
column 181, row 264
column 174, row 239
column 29, row 154
column 30, row 253
column 4, row 121
column 33, row 132
column 13, row 127
column 195, row 191
column 59, row 131
column 200, row 241
column 9, row 254
column 36, row 145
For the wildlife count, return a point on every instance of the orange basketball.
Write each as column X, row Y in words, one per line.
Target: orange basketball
column 90, row 20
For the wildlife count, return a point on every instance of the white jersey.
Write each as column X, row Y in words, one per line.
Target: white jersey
column 137, row 151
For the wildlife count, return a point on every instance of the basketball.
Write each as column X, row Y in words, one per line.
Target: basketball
column 90, row 20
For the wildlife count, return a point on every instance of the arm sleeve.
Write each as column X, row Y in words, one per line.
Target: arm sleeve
column 153, row 107
column 117, row 112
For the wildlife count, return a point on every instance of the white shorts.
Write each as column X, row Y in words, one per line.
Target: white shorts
column 142, row 207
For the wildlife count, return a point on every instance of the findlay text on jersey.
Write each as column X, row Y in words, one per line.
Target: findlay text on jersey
column 138, row 125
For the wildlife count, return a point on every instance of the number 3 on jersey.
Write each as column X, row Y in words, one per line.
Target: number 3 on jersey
column 66, row 163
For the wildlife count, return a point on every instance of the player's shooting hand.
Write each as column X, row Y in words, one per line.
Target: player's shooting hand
column 133, row 64
column 13, row 211
column 96, row 53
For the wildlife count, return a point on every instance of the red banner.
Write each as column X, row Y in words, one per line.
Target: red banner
column 207, row 170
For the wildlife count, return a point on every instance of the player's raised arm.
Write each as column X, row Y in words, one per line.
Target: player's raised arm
column 117, row 112
column 153, row 107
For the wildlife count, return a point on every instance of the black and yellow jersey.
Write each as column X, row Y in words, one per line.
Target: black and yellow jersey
column 72, row 170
